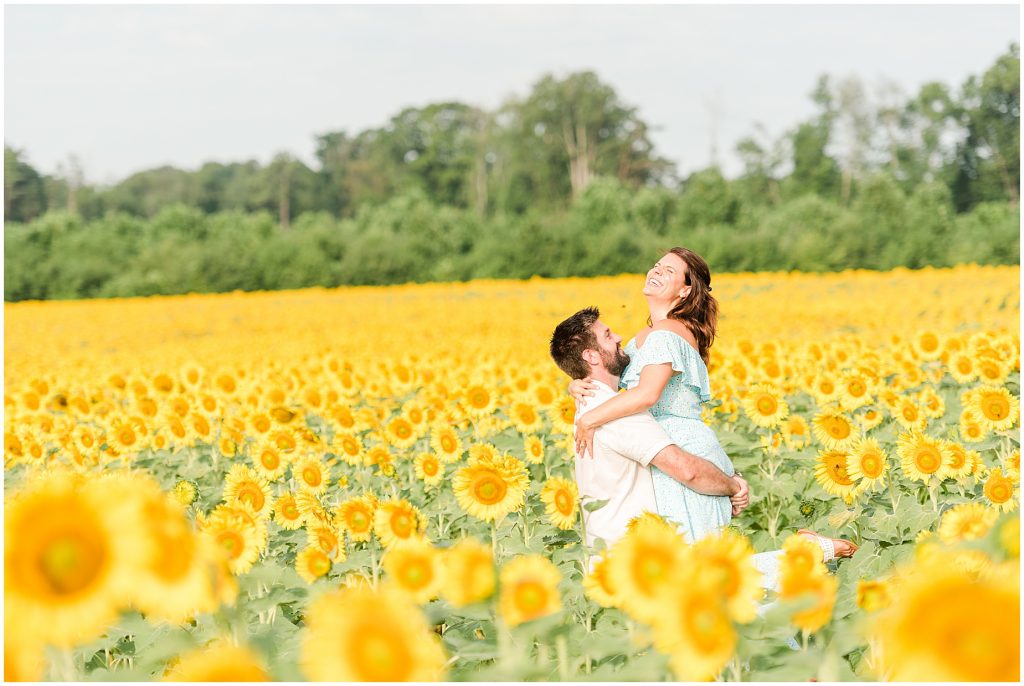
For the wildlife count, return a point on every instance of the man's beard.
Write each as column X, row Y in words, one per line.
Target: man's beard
column 616, row 362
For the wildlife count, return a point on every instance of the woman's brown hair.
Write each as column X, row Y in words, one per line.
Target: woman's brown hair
column 698, row 310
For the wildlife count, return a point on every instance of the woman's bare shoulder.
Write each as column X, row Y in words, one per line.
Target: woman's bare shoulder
column 676, row 327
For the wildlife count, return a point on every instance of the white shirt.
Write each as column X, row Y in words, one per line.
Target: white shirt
column 618, row 472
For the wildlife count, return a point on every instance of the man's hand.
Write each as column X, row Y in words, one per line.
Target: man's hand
column 584, row 437
column 741, row 500
column 581, row 388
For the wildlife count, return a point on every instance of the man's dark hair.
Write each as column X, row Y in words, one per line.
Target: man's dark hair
column 571, row 338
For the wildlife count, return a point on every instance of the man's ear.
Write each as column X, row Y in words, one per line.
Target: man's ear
column 591, row 357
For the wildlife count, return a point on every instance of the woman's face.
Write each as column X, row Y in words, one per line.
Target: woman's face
column 666, row 280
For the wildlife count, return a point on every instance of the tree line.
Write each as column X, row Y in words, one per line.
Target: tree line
column 562, row 181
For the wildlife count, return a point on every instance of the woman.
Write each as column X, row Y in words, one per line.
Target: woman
column 667, row 375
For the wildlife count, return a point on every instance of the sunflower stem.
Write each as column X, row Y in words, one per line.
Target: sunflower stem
column 735, row 671
column 804, row 638
column 562, row 649
column 373, row 561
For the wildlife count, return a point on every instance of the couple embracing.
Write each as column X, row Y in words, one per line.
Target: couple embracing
column 647, row 448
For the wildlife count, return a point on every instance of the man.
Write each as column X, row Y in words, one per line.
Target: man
column 624, row 449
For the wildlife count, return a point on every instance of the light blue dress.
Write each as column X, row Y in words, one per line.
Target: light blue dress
column 678, row 412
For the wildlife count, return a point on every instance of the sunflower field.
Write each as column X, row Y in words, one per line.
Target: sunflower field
column 376, row 484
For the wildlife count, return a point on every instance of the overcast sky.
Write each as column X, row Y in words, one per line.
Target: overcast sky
column 127, row 88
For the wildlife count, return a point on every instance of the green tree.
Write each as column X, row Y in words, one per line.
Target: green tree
column 24, row 190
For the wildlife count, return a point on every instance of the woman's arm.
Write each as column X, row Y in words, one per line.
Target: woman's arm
column 653, row 378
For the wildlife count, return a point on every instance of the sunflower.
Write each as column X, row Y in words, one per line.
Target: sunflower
column 545, row 394
column 998, row 491
column 966, row 522
column 326, row 538
column 446, row 443
column 833, row 429
column 1011, row 464
column 529, row 589
column 991, row 370
column 479, row 401
column 795, row 432
column 286, row 512
column 831, row 472
column 270, row 463
column 765, row 406
column 921, row 457
column 927, row 345
column 1008, row 536
column 931, row 403
column 490, row 488
column 311, row 563
column 185, row 492
column 355, row 517
column 175, row 583
column 533, row 449
column 996, row 408
column 524, row 417
column 238, row 540
column 359, row 634
column 971, row 428
column 414, row 567
column 597, row 584
column 867, row 463
column 198, row 428
column 219, row 661
column 400, row 433
column 428, row 468
column 945, row 626
column 560, row 497
column 909, row 415
column 802, row 572
column 726, row 561
column 244, row 485
column 645, row 563
column 962, row 368
column 875, row 595
column 311, row 510
column 311, row 473
column 397, row 520
column 563, row 415
column 73, row 550
column 958, row 461
column 348, row 447
column 854, row 390
column 825, row 389
column 694, row 629
column 468, row 573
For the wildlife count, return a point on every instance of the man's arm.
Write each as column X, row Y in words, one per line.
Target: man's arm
column 640, row 438
column 695, row 472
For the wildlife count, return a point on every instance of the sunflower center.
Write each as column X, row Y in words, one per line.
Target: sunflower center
column 270, row 460
column 174, row 555
column 707, row 626
column 359, row 521
column 71, row 561
column 837, row 470
column 996, row 408
column 489, row 489
column 563, row 503
column 403, row 430
column 871, row 465
column 856, row 388
column 429, row 467
column 415, row 574
column 378, row 656
column 290, row 510
column 232, row 543
column 530, row 598
column 252, row 496
column 998, row 491
column 311, row 475
column 401, row 524
column 766, row 405
column 650, row 567
column 448, row 444
column 838, row 429
column 928, row 460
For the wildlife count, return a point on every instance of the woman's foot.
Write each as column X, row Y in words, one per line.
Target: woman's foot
column 831, row 547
